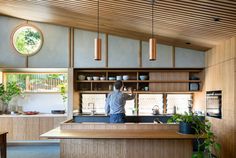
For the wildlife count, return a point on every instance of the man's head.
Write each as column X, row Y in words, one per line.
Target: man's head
column 118, row 84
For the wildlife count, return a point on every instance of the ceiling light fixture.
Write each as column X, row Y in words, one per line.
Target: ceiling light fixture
column 98, row 41
column 152, row 40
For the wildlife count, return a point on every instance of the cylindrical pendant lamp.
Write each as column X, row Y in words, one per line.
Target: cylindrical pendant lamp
column 152, row 41
column 152, row 49
column 97, row 41
column 98, row 49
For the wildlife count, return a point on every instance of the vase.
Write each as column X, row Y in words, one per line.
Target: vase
column 5, row 108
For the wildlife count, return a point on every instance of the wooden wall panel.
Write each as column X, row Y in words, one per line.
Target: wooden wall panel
column 125, row 148
column 220, row 74
column 169, row 76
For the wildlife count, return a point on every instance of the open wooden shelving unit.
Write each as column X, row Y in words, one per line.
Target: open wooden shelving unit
column 159, row 80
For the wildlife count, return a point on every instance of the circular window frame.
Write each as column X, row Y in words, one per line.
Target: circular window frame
column 25, row 25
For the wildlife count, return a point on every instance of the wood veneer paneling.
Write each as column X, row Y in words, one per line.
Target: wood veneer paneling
column 125, row 148
column 220, row 74
column 28, row 128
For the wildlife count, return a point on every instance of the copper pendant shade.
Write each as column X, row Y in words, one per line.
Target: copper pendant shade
column 97, row 49
column 152, row 41
column 97, row 41
column 152, row 49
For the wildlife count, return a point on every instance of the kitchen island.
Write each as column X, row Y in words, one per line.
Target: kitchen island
column 105, row 140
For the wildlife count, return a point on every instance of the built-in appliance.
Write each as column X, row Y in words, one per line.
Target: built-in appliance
column 214, row 103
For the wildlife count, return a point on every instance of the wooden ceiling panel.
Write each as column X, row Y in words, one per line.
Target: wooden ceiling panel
column 175, row 22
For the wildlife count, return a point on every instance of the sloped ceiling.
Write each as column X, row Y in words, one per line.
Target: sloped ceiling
column 202, row 23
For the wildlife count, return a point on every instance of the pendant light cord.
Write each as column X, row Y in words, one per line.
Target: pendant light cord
column 98, row 19
column 152, row 17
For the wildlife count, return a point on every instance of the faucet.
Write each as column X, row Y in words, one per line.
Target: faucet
column 92, row 110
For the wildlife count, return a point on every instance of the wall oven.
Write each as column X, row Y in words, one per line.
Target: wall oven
column 214, row 104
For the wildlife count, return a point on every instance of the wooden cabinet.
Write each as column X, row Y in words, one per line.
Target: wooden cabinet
column 28, row 128
column 165, row 80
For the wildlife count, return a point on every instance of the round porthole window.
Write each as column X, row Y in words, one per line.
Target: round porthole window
column 27, row 39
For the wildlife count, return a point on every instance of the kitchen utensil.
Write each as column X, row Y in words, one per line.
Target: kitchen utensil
column 57, row 111
column 155, row 110
column 31, row 112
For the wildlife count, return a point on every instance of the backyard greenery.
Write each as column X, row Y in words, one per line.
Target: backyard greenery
column 27, row 40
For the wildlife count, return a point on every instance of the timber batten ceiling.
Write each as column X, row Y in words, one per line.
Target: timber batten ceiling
column 176, row 22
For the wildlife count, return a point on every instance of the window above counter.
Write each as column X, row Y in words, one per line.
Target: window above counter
column 37, row 82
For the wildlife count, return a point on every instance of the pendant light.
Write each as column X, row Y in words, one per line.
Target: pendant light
column 98, row 41
column 152, row 41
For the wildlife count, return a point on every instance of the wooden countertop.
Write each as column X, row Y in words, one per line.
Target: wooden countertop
column 37, row 115
column 116, row 134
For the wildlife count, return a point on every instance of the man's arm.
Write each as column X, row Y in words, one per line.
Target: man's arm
column 129, row 96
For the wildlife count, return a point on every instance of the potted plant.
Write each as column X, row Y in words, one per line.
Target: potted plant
column 6, row 94
column 209, row 144
column 186, row 122
column 193, row 124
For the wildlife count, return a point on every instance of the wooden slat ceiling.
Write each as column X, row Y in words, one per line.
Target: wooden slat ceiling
column 175, row 22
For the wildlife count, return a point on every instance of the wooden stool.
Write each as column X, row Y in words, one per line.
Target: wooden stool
column 3, row 144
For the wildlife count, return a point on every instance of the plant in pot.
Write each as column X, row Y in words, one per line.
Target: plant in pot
column 186, row 122
column 193, row 124
column 6, row 94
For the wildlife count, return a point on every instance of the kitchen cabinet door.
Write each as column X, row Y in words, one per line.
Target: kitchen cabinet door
column 84, row 49
column 45, row 124
column 9, row 57
column 164, row 56
column 6, row 126
column 188, row 58
column 122, row 52
column 26, row 128
column 55, row 49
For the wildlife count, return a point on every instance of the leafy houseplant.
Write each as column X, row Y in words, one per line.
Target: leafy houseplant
column 11, row 90
column 202, row 128
column 186, row 122
column 63, row 90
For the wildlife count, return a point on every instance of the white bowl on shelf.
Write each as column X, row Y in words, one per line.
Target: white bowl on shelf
column 125, row 77
column 95, row 78
column 89, row 78
column 118, row 77
column 81, row 77
column 102, row 78
column 111, row 78
column 143, row 77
